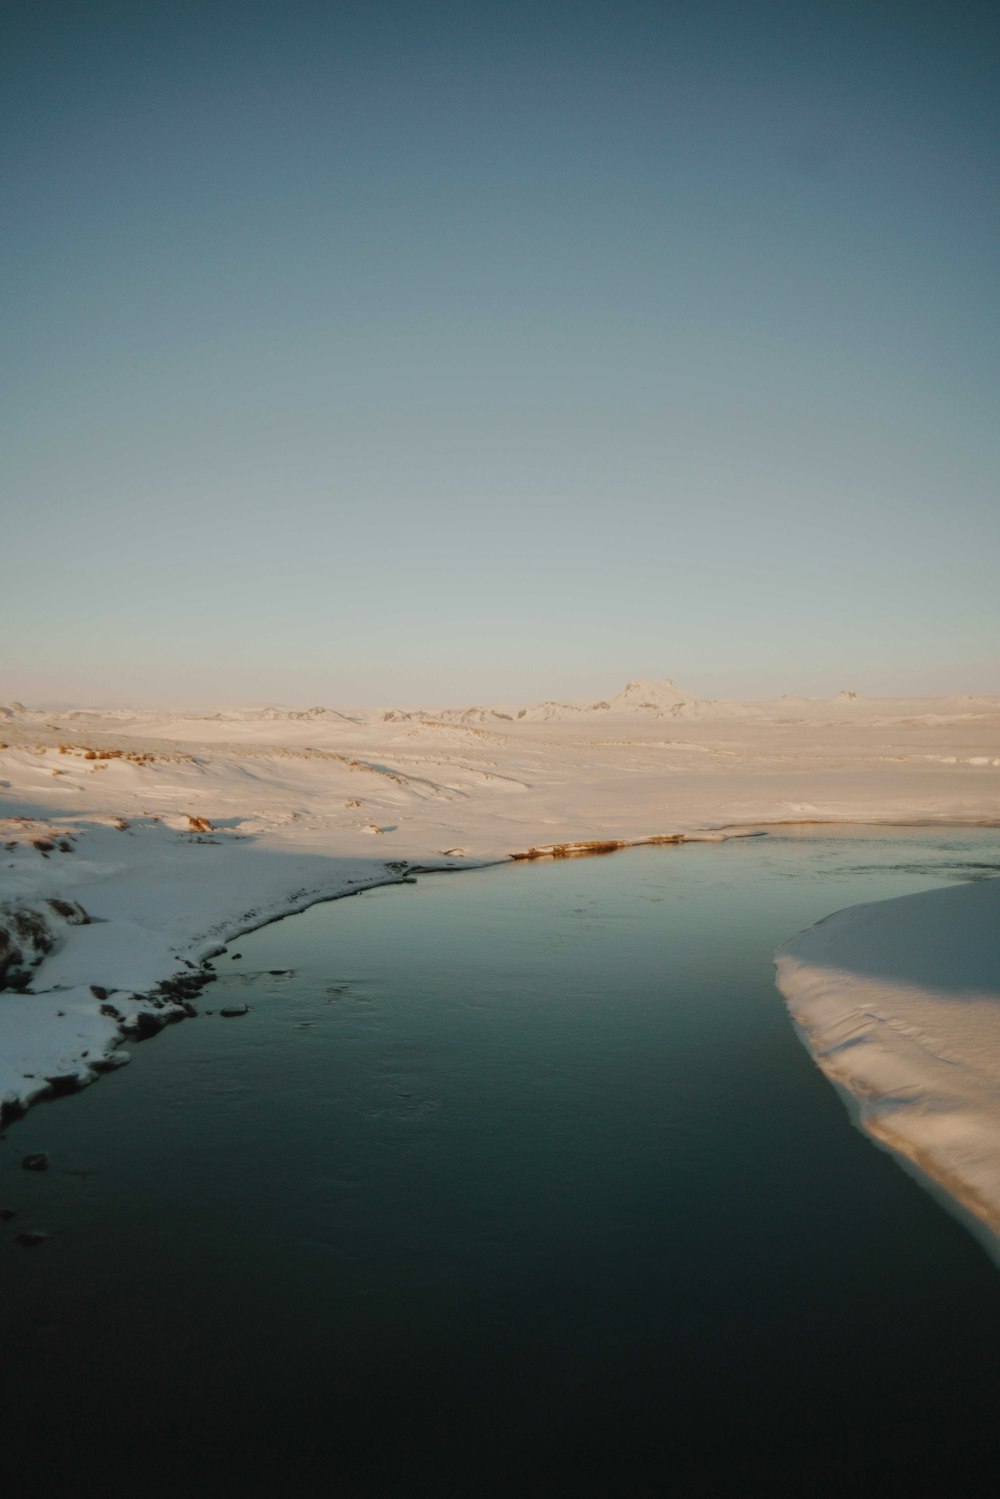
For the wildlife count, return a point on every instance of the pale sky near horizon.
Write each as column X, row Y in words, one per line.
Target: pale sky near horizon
column 438, row 353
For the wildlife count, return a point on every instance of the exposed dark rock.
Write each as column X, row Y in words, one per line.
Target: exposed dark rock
column 6, row 1214
column 231, row 1013
column 146, row 1024
column 30, row 1237
column 70, row 910
column 30, row 928
column 99, row 991
column 64, row 1082
column 37, row 1161
column 10, row 954
column 43, row 845
column 184, row 986
column 25, row 938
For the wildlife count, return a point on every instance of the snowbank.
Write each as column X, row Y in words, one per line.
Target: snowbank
column 899, row 1003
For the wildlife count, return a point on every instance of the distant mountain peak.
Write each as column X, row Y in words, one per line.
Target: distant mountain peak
column 640, row 694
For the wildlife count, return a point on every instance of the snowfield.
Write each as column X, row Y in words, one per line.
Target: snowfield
column 133, row 845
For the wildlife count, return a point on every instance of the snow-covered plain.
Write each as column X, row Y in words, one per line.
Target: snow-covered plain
column 162, row 836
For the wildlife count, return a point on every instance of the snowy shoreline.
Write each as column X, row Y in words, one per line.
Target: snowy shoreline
column 898, row 1003
column 133, row 846
column 35, row 1063
column 108, row 1018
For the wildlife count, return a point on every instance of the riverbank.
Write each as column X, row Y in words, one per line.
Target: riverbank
column 899, row 1003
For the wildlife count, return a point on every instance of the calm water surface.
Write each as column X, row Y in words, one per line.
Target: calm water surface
column 511, row 1182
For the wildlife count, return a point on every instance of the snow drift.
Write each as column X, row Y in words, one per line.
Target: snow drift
column 899, row 1003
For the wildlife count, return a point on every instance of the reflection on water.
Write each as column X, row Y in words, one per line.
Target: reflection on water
column 513, row 1182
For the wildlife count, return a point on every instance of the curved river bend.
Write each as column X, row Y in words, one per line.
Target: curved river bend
column 515, row 1183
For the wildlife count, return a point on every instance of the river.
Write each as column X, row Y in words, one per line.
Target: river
column 517, row 1181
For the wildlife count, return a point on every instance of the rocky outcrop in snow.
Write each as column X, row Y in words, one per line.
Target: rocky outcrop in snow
column 29, row 933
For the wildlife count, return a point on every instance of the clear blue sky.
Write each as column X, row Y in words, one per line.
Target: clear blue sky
column 417, row 352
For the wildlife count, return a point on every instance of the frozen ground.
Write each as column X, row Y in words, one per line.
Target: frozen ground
column 159, row 837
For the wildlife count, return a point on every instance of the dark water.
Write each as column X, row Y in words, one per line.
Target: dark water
column 519, row 1182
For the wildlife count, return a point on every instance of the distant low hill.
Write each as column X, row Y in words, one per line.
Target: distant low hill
column 640, row 699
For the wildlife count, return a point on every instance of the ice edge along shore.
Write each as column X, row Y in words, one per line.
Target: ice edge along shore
column 898, row 1002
